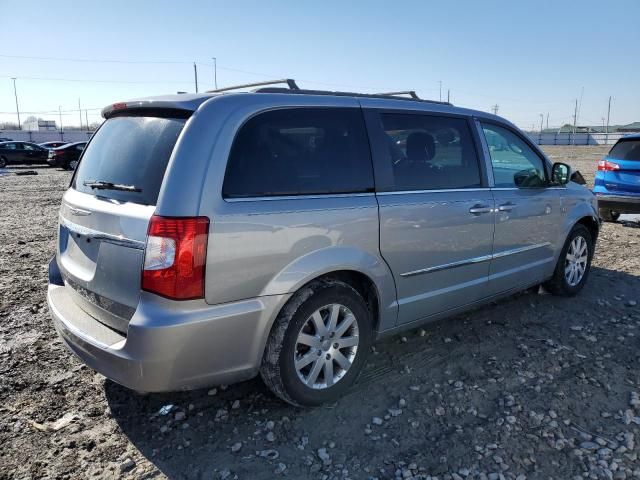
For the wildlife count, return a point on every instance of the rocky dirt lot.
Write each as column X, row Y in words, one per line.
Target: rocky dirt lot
column 533, row 386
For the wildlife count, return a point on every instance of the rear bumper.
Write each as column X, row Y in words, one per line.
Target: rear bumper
column 170, row 345
column 619, row 203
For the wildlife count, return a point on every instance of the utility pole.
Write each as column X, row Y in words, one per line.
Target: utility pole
column 86, row 119
column 606, row 137
column 541, row 119
column 60, row 115
column 547, row 120
column 195, row 75
column 575, row 120
column 495, row 109
column 448, row 95
column 215, row 72
column 608, row 114
column 80, row 113
column 440, row 82
column 15, row 93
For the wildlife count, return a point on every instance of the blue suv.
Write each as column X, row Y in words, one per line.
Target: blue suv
column 617, row 184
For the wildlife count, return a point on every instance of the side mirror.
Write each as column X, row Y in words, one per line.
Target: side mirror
column 560, row 173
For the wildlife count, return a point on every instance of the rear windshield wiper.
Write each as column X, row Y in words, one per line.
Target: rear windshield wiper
column 111, row 186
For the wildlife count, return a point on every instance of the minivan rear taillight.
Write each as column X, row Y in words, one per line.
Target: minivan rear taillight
column 607, row 166
column 175, row 257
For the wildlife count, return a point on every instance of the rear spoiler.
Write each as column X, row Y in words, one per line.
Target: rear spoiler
column 180, row 106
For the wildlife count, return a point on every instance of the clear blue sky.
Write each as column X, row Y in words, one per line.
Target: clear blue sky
column 529, row 57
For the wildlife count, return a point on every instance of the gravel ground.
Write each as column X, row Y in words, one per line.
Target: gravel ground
column 533, row 386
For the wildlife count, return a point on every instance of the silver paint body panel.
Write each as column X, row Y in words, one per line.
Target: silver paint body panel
column 426, row 254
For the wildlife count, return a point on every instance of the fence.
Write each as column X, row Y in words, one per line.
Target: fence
column 46, row 136
column 538, row 138
column 575, row 138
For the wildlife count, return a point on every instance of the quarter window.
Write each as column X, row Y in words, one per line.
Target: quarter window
column 300, row 151
column 515, row 164
column 430, row 152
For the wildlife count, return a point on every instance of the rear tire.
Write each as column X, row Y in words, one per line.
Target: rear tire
column 573, row 264
column 304, row 360
column 3, row 162
column 609, row 215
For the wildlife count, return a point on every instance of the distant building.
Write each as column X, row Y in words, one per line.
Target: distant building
column 37, row 125
column 632, row 127
column 568, row 128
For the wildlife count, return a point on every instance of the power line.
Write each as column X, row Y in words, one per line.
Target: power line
column 47, row 79
column 93, row 60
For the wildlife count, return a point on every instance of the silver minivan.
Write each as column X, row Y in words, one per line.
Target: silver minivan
column 208, row 238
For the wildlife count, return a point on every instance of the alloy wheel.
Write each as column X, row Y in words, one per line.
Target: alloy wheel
column 326, row 346
column 576, row 261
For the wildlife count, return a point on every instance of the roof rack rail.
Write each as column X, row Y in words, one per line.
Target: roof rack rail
column 303, row 91
column 289, row 81
column 411, row 93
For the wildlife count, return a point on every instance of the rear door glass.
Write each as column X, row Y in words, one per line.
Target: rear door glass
column 132, row 151
column 430, row 152
column 626, row 150
column 300, row 151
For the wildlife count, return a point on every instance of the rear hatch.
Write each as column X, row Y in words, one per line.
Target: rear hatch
column 105, row 213
column 623, row 173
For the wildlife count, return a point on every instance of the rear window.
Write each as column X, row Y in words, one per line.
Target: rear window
column 626, row 150
column 131, row 151
column 300, row 151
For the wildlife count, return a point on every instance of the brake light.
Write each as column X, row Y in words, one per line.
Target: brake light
column 175, row 257
column 607, row 166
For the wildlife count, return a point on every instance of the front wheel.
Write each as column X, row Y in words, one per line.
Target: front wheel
column 3, row 162
column 318, row 344
column 609, row 215
column 574, row 263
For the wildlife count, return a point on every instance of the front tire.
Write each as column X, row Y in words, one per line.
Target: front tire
column 3, row 162
column 318, row 344
column 609, row 215
column 573, row 264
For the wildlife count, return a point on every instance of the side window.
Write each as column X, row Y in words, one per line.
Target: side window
column 300, row 151
column 9, row 146
column 26, row 146
column 514, row 163
column 430, row 152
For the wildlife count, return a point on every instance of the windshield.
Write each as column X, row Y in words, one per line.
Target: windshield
column 132, row 151
column 626, row 150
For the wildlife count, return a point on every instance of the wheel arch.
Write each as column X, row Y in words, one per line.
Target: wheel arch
column 583, row 213
column 592, row 224
column 367, row 273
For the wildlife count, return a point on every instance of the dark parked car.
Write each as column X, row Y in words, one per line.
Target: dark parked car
column 21, row 152
column 52, row 144
column 66, row 156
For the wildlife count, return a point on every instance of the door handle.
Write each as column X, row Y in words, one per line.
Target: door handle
column 506, row 207
column 478, row 209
